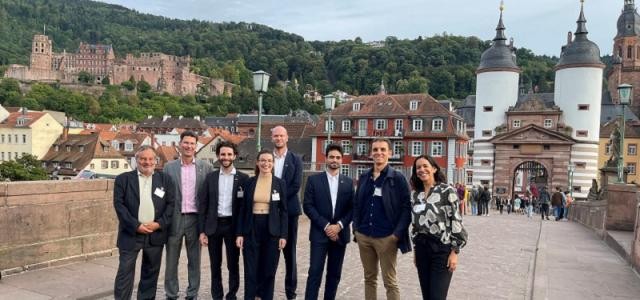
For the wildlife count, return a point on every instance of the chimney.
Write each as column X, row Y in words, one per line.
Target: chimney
column 24, row 110
column 569, row 37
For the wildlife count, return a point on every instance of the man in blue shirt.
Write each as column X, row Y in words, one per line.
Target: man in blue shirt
column 381, row 218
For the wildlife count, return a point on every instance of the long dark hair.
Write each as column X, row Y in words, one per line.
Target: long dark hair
column 439, row 177
column 263, row 151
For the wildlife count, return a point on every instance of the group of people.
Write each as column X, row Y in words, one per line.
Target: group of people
column 188, row 202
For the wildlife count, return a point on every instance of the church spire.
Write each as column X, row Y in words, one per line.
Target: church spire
column 500, row 28
column 582, row 21
column 628, row 4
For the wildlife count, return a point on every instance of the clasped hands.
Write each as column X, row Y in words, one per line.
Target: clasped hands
column 148, row 228
column 332, row 231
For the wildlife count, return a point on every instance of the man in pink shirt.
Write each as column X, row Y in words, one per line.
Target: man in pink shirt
column 188, row 174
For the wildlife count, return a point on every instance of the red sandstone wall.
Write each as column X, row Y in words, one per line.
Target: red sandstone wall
column 46, row 223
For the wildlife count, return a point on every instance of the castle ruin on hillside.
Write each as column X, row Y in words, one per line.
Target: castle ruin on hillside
column 165, row 73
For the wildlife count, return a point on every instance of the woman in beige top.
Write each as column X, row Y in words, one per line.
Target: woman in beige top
column 262, row 228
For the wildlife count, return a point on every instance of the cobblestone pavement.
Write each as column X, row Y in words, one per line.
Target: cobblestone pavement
column 497, row 263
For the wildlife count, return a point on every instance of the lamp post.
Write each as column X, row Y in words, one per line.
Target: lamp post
column 570, row 169
column 624, row 93
column 329, row 103
column 260, row 85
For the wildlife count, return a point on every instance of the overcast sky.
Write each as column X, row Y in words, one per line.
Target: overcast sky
column 539, row 25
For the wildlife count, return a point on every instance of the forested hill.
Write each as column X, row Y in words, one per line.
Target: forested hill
column 444, row 64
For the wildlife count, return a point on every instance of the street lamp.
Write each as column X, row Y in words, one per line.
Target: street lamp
column 624, row 93
column 570, row 169
column 329, row 103
column 260, row 85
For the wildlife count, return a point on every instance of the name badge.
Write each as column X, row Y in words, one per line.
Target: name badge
column 275, row 196
column 240, row 194
column 377, row 192
column 159, row 192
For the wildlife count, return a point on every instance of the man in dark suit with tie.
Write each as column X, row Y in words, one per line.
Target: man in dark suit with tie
column 288, row 167
column 328, row 202
column 188, row 174
column 143, row 201
column 219, row 202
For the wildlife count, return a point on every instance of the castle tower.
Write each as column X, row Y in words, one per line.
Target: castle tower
column 626, row 53
column 578, row 93
column 41, row 53
column 496, row 89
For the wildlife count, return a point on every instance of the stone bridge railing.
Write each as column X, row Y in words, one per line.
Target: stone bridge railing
column 44, row 223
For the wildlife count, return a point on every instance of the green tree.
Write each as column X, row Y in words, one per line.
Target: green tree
column 25, row 168
column 86, row 77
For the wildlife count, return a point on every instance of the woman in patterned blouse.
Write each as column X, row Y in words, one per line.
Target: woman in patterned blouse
column 438, row 234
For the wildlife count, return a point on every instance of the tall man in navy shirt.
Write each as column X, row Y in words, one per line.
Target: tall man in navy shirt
column 381, row 218
column 328, row 202
column 288, row 167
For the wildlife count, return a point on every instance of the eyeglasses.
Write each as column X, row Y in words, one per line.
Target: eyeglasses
column 265, row 161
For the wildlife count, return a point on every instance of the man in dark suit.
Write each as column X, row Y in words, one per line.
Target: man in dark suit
column 220, row 198
column 328, row 202
column 188, row 174
column 143, row 201
column 288, row 167
column 381, row 218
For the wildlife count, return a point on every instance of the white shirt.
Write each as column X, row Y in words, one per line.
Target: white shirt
column 146, row 210
column 333, row 189
column 278, row 164
column 225, row 193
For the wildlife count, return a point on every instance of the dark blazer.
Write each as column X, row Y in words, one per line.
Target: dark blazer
column 277, row 209
column 126, row 200
column 208, row 201
column 318, row 207
column 292, row 176
column 396, row 200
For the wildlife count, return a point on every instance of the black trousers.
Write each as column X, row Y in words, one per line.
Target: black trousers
column 149, row 271
column 333, row 254
column 261, row 256
column 431, row 262
column 544, row 211
column 289, row 251
column 224, row 234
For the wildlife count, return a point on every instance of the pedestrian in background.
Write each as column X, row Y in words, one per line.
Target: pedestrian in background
column 438, row 233
column 475, row 195
column 545, row 200
column 569, row 201
column 262, row 228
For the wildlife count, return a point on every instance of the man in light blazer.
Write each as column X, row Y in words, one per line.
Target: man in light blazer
column 143, row 201
column 288, row 167
column 219, row 202
column 188, row 174
column 328, row 202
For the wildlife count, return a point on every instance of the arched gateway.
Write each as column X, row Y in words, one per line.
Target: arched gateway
column 529, row 176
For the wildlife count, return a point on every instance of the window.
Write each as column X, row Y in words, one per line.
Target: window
column 105, row 148
column 577, row 189
column 548, row 123
column 356, row 106
column 436, row 125
column 346, row 125
column 632, row 149
column 81, row 148
column 2, row 156
column 485, row 162
column 128, row 146
column 56, row 148
column 486, row 133
column 68, row 165
column 344, row 170
column 362, row 127
column 399, row 124
column 607, row 149
column 629, row 51
column 126, row 166
column 580, row 165
column 346, row 146
column 361, row 170
column 92, row 166
column 487, row 108
column 417, row 148
column 361, row 147
column 381, row 124
column 516, row 146
column 114, row 164
column 115, row 144
column 2, row 139
column 469, row 177
column 417, row 125
column 16, row 138
column 413, row 105
column 583, row 106
column 517, row 123
column 397, row 148
column 470, row 161
column 631, row 167
column 436, row 148
column 9, row 136
column 104, row 164
column 67, row 148
column 24, row 138
column 329, row 125
column 546, row 147
column 582, row 133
